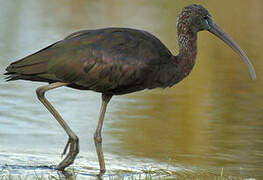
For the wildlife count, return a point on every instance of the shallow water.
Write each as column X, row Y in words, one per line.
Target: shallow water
column 209, row 122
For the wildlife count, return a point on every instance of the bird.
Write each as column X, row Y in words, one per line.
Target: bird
column 116, row 61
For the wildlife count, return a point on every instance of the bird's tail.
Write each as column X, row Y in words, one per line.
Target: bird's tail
column 29, row 67
column 25, row 71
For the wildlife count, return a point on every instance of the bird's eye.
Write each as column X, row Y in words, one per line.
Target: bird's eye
column 206, row 17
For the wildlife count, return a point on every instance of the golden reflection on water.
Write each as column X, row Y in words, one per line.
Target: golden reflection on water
column 212, row 119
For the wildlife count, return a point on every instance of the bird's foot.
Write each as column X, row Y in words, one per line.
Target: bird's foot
column 73, row 145
column 102, row 172
column 65, row 148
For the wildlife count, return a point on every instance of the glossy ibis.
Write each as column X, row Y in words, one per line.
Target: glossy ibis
column 116, row 61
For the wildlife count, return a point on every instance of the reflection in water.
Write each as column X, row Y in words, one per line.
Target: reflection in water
column 211, row 120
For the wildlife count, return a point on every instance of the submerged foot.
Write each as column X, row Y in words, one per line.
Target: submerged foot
column 102, row 172
column 73, row 145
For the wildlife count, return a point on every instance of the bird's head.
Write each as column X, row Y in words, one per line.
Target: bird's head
column 195, row 18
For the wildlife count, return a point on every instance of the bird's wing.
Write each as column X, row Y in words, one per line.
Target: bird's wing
column 100, row 60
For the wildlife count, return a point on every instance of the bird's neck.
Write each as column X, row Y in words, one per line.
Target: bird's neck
column 187, row 41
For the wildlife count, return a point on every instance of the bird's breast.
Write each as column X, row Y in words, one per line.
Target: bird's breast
column 166, row 76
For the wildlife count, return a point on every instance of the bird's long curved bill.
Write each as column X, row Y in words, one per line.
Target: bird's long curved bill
column 216, row 30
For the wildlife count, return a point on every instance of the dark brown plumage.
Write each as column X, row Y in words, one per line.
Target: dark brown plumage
column 115, row 61
column 112, row 61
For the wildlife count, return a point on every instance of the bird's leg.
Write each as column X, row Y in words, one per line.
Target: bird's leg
column 73, row 142
column 97, row 136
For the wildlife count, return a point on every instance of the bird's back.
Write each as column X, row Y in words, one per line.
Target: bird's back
column 111, row 60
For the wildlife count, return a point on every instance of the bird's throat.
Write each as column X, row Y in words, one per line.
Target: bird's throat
column 187, row 52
